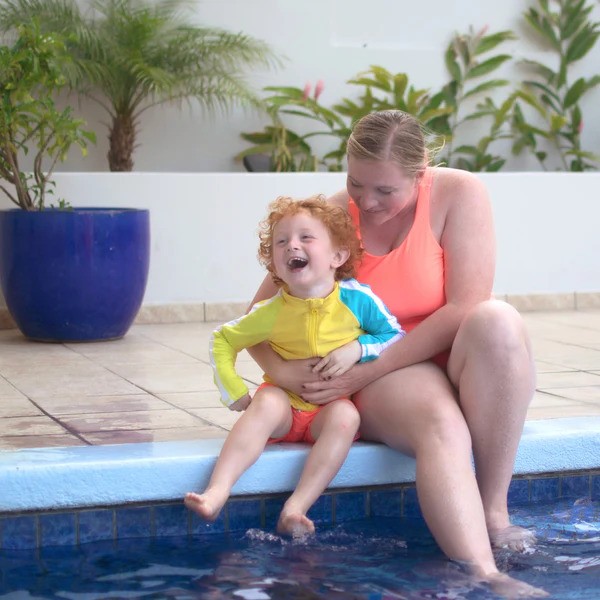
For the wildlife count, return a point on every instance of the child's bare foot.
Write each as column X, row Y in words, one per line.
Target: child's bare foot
column 512, row 538
column 207, row 505
column 509, row 588
column 296, row 525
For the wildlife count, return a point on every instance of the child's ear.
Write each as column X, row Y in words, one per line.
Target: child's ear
column 340, row 257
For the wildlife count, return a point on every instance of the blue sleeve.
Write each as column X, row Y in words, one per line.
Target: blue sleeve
column 380, row 326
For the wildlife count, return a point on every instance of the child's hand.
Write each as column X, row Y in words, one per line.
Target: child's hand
column 338, row 361
column 241, row 404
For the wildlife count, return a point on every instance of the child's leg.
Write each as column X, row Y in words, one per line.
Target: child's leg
column 268, row 415
column 334, row 429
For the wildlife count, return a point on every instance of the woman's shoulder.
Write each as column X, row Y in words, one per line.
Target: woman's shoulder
column 340, row 198
column 457, row 185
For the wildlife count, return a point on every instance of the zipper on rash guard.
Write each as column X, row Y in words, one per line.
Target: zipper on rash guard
column 313, row 328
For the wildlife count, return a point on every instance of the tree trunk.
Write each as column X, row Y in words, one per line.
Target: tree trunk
column 122, row 142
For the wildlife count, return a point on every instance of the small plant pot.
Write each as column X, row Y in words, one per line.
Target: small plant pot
column 74, row 275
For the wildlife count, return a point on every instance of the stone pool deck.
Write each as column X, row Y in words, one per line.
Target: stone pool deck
column 139, row 420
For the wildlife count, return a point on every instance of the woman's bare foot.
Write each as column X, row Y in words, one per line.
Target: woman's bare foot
column 512, row 538
column 296, row 525
column 511, row 589
column 207, row 505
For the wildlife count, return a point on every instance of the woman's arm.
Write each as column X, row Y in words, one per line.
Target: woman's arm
column 462, row 220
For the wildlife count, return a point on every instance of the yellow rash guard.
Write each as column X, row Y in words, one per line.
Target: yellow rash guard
column 303, row 328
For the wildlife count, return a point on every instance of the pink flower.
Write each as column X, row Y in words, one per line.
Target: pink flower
column 483, row 31
column 580, row 127
column 306, row 92
column 319, row 88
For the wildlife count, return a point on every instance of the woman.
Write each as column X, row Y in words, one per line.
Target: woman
column 463, row 376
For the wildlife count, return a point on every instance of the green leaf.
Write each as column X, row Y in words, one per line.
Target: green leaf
column 487, row 66
column 487, row 85
column 466, row 149
column 581, row 44
column 574, row 93
column 557, row 122
column 451, row 64
column 489, row 42
column 544, row 71
column 495, row 165
column 543, row 27
column 400, row 83
column 574, row 19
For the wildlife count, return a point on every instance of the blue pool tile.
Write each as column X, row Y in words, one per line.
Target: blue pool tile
column 244, row 514
column 273, row 508
column 322, row 510
column 575, row 486
column 596, row 487
column 518, row 492
column 200, row 526
column 411, row 506
column 544, row 489
column 350, row 505
column 96, row 525
column 171, row 519
column 58, row 529
column 386, row 503
column 19, row 533
column 134, row 522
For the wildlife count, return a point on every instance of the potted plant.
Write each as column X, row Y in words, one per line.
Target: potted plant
column 66, row 274
column 131, row 55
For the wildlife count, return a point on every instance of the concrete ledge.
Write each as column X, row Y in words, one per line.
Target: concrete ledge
column 219, row 312
column 58, row 478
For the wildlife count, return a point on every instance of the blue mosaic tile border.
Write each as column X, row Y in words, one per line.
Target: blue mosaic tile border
column 66, row 528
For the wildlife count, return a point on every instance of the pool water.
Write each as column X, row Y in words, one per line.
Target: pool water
column 370, row 559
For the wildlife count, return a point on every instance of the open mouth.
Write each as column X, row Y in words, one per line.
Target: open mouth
column 297, row 263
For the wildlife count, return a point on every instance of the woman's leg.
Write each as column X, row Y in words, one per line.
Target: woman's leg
column 414, row 410
column 334, row 430
column 268, row 415
column 492, row 367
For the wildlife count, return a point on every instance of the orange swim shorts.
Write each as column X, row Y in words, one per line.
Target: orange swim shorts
column 301, row 422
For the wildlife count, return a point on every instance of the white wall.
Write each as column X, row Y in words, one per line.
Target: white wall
column 204, row 228
column 331, row 40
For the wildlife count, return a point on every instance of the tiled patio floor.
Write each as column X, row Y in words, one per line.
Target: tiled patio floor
column 156, row 383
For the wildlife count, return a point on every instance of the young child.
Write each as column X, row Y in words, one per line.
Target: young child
column 310, row 248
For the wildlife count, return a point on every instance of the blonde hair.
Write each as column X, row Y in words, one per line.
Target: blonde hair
column 391, row 135
column 336, row 220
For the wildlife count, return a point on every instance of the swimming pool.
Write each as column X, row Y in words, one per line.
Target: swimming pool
column 378, row 558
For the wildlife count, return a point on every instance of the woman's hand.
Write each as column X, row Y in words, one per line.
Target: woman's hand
column 323, row 392
column 294, row 374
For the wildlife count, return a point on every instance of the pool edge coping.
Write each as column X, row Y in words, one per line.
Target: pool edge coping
column 44, row 479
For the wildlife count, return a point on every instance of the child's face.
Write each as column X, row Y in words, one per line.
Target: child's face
column 304, row 256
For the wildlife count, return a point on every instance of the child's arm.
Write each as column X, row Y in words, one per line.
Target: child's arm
column 338, row 361
column 381, row 329
column 226, row 341
column 241, row 404
column 380, row 326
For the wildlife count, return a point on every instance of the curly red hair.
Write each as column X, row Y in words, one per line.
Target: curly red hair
column 336, row 220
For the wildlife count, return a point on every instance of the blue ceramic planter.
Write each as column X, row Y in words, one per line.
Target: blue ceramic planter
column 76, row 275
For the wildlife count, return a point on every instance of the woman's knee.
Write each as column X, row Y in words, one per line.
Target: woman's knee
column 497, row 318
column 491, row 326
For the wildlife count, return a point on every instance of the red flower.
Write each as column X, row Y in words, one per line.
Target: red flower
column 319, row 88
column 306, row 92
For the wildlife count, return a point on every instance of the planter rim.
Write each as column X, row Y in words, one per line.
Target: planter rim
column 75, row 209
